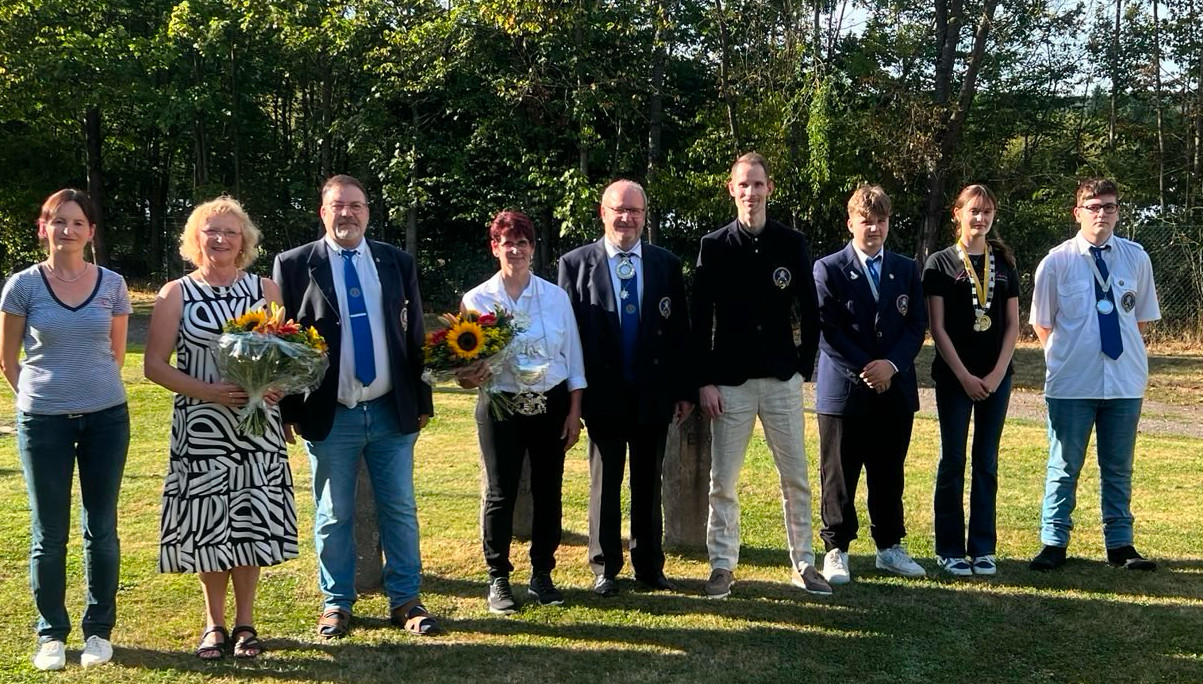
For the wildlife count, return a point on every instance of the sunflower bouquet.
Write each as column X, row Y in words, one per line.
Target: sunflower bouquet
column 259, row 351
column 467, row 338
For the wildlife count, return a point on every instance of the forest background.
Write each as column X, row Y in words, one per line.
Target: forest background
column 450, row 110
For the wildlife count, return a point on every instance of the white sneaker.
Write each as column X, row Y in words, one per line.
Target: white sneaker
column 52, row 655
column 896, row 560
column 984, row 565
column 954, row 566
column 835, row 567
column 97, row 651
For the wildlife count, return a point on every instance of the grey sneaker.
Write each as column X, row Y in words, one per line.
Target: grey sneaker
column 808, row 579
column 896, row 560
column 954, row 566
column 97, row 651
column 835, row 567
column 501, row 597
column 720, row 583
column 51, row 655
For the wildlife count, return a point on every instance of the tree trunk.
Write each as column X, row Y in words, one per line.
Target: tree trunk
column 234, row 121
column 543, row 253
column 1119, row 5
column 94, row 140
column 656, row 114
column 411, row 214
column 327, row 119
column 724, row 75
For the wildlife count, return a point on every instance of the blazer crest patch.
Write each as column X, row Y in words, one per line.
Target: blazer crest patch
column 1128, row 301
column 782, row 277
column 405, row 318
column 903, row 304
column 666, row 306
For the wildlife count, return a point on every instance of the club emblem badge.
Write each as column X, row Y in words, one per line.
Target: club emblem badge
column 1128, row 301
column 666, row 307
column 782, row 277
column 903, row 304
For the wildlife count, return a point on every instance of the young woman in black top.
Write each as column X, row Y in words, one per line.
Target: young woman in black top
column 972, row 291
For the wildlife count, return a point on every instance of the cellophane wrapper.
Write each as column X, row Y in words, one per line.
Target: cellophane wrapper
column 257, row 362
column 500, row 406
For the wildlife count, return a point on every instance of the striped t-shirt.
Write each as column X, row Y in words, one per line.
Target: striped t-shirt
column 69, row 365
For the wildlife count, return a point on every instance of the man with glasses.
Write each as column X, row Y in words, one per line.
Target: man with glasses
column 629, row 301
column 1093, row 297
column 362, row 296
column 753, row 281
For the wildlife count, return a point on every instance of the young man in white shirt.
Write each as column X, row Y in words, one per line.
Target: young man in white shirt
column 1093, row 297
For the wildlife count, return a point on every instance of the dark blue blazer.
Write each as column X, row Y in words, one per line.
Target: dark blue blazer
column 307, row 286
column 855, row 330
column 662, row 358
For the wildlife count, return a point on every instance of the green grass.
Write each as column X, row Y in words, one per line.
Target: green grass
column 1085, row 623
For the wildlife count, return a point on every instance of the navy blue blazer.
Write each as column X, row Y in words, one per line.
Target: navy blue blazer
column 307, row 286
column 662, row 359
column 855, row 330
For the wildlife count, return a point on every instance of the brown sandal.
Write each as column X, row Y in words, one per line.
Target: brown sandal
column 415, row 619
column 215, row 651
column 333, row 623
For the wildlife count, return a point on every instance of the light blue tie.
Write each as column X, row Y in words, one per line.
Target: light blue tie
column 871, row 267
column 628, row 304
column 361, row 327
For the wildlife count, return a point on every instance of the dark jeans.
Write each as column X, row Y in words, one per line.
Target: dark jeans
column 876, row 441
column 953, row 407
column 512, row 439
column 49, row 447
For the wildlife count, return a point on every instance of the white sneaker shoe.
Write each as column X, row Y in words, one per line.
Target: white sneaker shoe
column 896, row 560
column 835, row 567
column 51, row 655
column 985, row 565
column 954, row 566
column 97, row 651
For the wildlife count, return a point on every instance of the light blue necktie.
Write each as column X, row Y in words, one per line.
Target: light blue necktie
column 871, row 267
column 1113, row 344
column 361, row 327
column 628, row 305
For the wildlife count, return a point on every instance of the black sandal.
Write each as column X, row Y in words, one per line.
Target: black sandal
column 213, row 651
column 247, row 646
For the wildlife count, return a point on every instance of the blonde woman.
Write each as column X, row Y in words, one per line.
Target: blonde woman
column 228, row 500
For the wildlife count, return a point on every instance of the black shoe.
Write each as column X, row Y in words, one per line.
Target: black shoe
column 605, row 586
column 1049, row 558
column 501, row 597
column 1126, row 558
column 542, row 588
column 656, row 583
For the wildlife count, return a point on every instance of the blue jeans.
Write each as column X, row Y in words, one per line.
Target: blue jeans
column 954, row 409
column 370, row 430
column 1069, row 424
column 49, row 447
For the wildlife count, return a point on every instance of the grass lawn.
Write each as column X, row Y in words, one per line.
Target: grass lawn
column 1084, row 623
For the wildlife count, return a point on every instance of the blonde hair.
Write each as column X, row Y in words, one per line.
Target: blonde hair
column 190, row 239
column 869, row 200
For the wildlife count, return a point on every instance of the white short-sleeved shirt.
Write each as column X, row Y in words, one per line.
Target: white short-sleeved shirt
column 1063, row 300
column 546, row 313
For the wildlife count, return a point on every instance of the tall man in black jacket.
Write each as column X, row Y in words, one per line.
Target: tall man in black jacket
column 629, row 301
column 753, row 282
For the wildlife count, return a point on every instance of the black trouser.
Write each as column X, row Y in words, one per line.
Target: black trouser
column 878, row 442
column 608, row 442
column 512, row 439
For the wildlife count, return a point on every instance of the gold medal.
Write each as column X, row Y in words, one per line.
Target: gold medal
column 982, row 322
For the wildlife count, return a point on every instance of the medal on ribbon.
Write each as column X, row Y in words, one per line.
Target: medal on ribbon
column 983, row 288
column 625, row 269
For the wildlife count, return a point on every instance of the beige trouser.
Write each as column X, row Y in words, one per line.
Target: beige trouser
column 779, row 405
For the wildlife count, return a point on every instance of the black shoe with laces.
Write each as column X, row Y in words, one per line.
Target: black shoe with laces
column 501, row 597
column 542, row 588
column 1126, row 558
column 1049, row 558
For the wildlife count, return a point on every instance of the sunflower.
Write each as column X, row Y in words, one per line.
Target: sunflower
column 466, row 339
column 247, row 322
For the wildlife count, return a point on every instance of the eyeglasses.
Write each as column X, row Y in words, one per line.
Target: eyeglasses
column 521, row 244
column 634, row 212
column 1109, row 208
column 355, row 207
column 223, row 234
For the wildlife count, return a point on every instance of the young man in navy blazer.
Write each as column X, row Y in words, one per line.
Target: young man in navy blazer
column 629, row 301
column 872, row 322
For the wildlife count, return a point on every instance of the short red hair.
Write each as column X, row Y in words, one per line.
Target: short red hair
column 512, row 223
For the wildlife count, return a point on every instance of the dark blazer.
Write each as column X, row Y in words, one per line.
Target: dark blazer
column 307, row 286
column 661, row 364
column 856, row 330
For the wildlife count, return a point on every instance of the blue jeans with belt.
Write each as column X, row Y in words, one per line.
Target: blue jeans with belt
column 955, row 408
column 1070, row 422
column 49, row 447
column 370, row 430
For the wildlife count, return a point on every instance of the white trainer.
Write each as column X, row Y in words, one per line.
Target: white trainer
column 835, row 567
column 896, row 560
column 954, row 566
column 97, row 651
column 985, row 565
column 51, row 655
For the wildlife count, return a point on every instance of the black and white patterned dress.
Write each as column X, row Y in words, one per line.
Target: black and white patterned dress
column 228, row 498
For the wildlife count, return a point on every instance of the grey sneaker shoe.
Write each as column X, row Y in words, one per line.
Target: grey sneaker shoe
column 720, row 583
column 97, row 651
column 835, row 567
column 808, row 579
column 896, row 560
column 501, row 597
